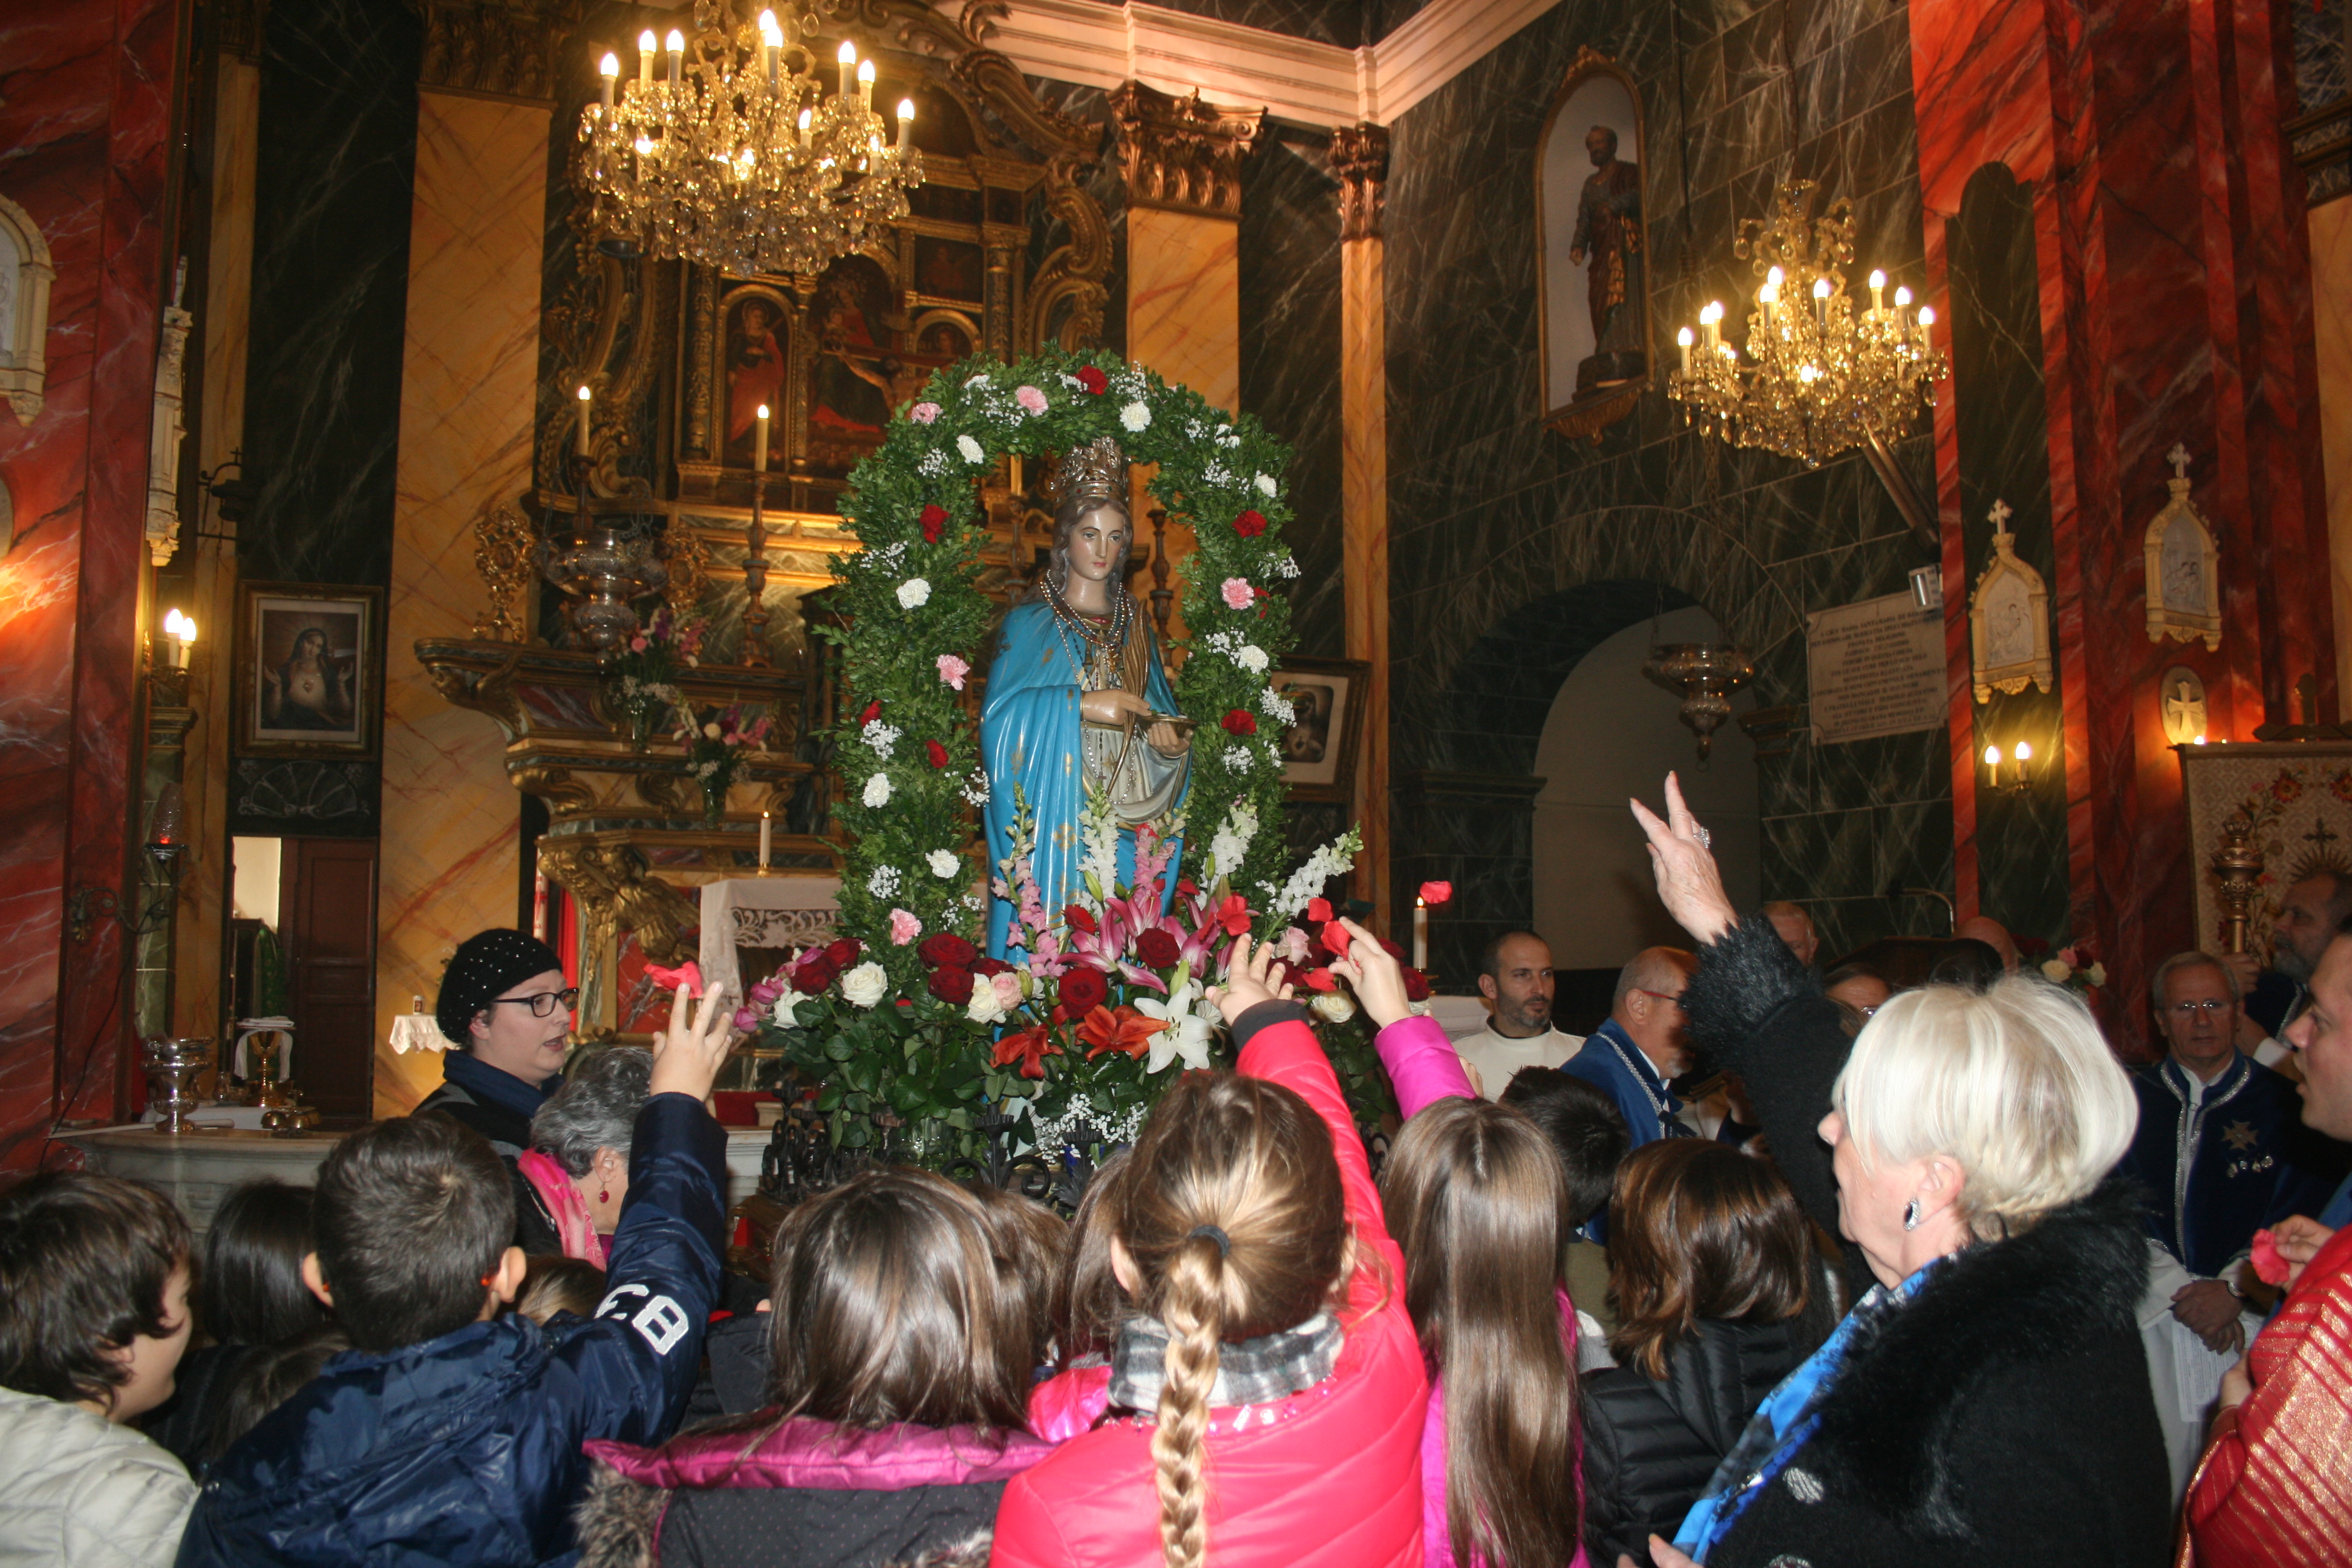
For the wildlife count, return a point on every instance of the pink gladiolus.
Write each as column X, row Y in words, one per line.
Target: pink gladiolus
column 952, row 670
column 923, row 413
column 904, row 928
column 1236, row 593
column 1030, row 398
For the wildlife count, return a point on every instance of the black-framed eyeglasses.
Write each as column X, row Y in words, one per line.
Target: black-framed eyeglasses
column 2211, row 1007
column 543, row 1003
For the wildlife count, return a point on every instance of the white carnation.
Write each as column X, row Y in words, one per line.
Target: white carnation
column 914, row 593
column 971, row 452
column 877, row 791
column 1265, row 486
column 1135, row 416
column 865, row 984
column 943, row 864
column 1252, row 657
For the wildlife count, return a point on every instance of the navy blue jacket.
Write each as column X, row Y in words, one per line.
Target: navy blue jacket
column 467, row 1448
column 2242, row 1162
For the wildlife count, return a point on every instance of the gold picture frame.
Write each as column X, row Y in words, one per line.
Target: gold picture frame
column 310, row 669
column 1319, row 747
column 2008, row 619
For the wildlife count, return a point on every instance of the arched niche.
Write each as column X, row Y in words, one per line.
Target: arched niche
column 1593, row 250
column 26, row 274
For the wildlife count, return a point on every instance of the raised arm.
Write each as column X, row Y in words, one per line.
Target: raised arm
column 1422, row 1063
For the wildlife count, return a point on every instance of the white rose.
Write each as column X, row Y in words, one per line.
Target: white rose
column 943, row 864
column 865, row 984
column 914, row 593
column 1251, row 657
column 783, row 1011
column 1135, row 417
column 1265, row 485
column 877, row 790
column 970, row 449
column 2055, row 968
column 1335, row 1007
column 710, row 731
column 2096, row 974
column 984, row 1008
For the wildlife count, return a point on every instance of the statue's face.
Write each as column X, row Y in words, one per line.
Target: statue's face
column 1602, row 145
column 1099, row 541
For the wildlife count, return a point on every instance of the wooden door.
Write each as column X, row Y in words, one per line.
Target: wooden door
column 326, row 918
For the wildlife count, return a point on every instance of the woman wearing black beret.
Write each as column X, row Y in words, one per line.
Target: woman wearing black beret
column 506, row 1007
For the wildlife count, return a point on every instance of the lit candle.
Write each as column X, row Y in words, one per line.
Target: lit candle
column 676, row 45
column 1822, row 301
column 1926, row 320
column 767, row 827
column 1711, row 319
column 804, row 128
column 759, row 449
column 848, row 58
column 1992, row 761
column 865, row 84
column 609, row 68
column 2024, row 754
column 905, row 123
column 1877, row 289
column 1683, row 338
column 1421, row 933
column 583, row 421
column 771, row 44
column 646, row 44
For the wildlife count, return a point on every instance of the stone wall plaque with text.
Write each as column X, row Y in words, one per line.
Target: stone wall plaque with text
column 1875, row 668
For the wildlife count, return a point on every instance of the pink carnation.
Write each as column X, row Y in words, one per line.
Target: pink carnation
column 923, row 413
column 1237, row 595
column 1030, row 398
column 952, row 670
column 904, row 928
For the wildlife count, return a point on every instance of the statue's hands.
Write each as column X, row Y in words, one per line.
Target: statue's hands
column 1111, row 707
column 1165, row 740
column 1576, row 256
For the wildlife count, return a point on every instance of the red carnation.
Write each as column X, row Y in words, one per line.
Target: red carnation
column 946, row 948
column 1093, row 380
column 814, row 974
column 1250, row 524
column 873, row 711
column 1158, row 950
column 1416, row 986
column 936, row 752
column 1083, row 990
column 1077, row 918
column 1238, row 722
column 952, row 983
column 935, row 522
column 844, row 950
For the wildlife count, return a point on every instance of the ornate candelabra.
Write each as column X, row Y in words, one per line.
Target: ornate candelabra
column 2238, row 867
column 607, row 563
column 1705, row 675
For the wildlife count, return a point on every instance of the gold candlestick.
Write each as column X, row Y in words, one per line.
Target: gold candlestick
column 2238, row 865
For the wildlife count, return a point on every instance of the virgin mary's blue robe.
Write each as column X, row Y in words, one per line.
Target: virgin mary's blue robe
column 1029, row 737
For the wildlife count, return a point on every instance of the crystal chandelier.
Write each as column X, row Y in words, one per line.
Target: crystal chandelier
column 734, row 157
column 1819, row 377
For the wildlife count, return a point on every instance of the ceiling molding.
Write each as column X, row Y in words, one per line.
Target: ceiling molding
column 1102, row 43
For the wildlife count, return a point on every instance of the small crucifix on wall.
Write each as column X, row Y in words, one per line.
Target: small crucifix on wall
column 2184, row 577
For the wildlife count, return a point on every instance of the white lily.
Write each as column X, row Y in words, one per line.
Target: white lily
column 1186, row 1036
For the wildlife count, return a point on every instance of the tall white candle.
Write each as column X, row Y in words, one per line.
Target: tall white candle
column 760, row 449
column 583, row 421
column 1421, row 933
column 648, row 46
column 767, row 827
column 847, row 58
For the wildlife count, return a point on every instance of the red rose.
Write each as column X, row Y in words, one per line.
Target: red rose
column 1416, row 986
column 814, row 974
column 1250, row 524
column 1158, row 950
column 946, row 948
column 952, row 984
column 990, row 966
column 873, row 711
column 1393, row 948
column 935, row 520
column 1093, row 380
column 844, row 950
column 1077, row 918
column 1083, row 990
column 936, row 752
column 1321, row 980
column 1238, row 722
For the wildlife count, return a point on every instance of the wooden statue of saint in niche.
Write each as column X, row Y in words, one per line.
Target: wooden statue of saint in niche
column 2009, row 618
column 1595, row 252
column 2184, row 574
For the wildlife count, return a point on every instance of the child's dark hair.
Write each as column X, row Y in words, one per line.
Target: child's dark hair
column 411, row 1217
column 84, row 1260
column 1232, row 1208
column 264, row 1380
column 1479, row 1204
column 554, row 1283
column 1699, row 1230
column 1087, row 1305
column 253, row 1292
column 885, row 1308
column 1585, row 1127
column 1031, row 1242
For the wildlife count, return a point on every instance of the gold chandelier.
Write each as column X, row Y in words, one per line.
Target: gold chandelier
column 1819, row 377
column 734, row 157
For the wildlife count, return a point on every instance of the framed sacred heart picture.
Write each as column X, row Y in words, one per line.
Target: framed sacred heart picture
column 1320, row 744
column 308, row 658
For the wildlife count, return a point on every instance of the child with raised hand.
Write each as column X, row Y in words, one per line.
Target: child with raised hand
column 1267, row 1403
column 1481, row 1208
column 93, row 1317
column 450, row 1433
column 900, row 1367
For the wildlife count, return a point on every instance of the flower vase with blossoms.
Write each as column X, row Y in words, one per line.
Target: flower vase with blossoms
column 645, row 672
column 714, row 752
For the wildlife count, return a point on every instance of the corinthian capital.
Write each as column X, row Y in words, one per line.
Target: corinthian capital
column 1182, row 153
column 1360, row 162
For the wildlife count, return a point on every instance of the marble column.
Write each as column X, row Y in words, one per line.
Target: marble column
column 2331, row 309
column 451, row 818
column 1359, row 157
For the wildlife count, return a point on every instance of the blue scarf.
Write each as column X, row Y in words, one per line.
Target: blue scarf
column 1787, row 1419
column 492, row 1086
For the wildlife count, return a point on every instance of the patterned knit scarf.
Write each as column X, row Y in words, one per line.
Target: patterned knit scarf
column 1255, row 1371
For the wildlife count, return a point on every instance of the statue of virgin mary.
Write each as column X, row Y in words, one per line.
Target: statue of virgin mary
column 1077, row 696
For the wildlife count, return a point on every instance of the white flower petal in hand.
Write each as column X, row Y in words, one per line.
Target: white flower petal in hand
column 865, row 984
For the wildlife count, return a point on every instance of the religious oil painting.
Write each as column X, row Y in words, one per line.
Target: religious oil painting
column 307, row 660
column 1319, row 746
column 1595, row 250
column 758, row 337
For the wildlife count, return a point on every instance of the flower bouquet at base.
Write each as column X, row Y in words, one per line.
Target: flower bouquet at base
column 645, row 672
column 714, row 752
